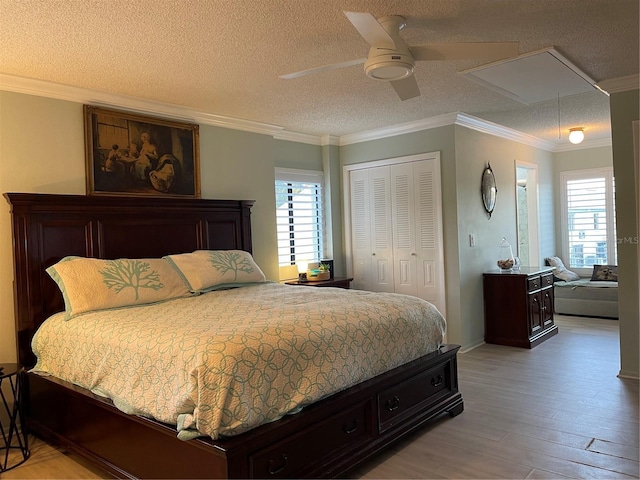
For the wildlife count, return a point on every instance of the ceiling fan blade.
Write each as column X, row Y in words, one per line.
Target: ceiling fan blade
column 406, row 88
column 463, row 51
column 325, row 68
column 371, row 30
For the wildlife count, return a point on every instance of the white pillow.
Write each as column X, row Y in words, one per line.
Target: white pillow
column 561, row 271
column 89, row 284
column 206, row 270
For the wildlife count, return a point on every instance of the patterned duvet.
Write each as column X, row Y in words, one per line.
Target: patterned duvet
column 224, row 362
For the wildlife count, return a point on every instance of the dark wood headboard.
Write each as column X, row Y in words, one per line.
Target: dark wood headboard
column 47, row 228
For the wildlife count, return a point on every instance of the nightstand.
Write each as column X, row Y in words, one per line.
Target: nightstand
column 13, row 440
column 339, row 282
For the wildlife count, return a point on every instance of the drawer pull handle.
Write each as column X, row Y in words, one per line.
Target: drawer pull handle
column 349, row 429
column 436, row 381
column 392, row 404
column 275, row 469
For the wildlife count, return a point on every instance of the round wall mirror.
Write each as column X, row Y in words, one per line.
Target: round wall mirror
column 488, row 189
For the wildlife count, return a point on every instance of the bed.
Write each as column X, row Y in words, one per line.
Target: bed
column 343, row 428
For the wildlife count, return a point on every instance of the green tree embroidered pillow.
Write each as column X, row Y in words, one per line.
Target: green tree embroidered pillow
column 206, row 270
column 89, row 284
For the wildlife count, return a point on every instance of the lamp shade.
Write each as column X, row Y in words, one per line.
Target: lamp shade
column 576, row 135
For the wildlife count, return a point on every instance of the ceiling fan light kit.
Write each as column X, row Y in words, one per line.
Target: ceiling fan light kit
column 389, row 60
column 389, row 67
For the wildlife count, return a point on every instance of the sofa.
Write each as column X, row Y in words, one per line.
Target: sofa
column 595, row 296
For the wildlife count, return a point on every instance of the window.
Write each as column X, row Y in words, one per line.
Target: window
column 299, row 216
column 589, row 234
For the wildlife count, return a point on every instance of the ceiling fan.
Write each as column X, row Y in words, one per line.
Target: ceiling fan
column 392, row 60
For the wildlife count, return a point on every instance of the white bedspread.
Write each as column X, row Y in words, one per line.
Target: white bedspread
column 224, row 362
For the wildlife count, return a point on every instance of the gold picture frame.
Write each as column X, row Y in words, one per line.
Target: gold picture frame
column 137, row 155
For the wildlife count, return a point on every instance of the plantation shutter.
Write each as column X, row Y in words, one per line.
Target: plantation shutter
column 590, row 219
column 299, row 216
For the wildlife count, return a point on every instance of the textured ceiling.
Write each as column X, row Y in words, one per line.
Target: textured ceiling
column 224, row 57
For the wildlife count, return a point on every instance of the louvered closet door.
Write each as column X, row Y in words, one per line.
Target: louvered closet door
column 430, row 270
column 372, row 241
column 381, row 230
column 404, row 229
column 415, row 230
column 361, row 230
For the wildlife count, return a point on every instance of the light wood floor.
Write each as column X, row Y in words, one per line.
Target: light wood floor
column 557, row 411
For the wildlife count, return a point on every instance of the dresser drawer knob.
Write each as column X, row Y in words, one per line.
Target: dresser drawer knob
column 392, row 404
column 275, row 469
column 349, row 429
column 436, row 381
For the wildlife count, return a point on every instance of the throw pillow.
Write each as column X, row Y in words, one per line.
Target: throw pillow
column 206, row 270
column 604, row 273
column 561, row 272
column 89, row 284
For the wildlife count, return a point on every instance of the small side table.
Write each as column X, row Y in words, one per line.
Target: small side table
column 339, row 282
column 14, row 439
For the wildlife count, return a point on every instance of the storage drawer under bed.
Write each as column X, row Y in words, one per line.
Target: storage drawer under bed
column 410, row 397
column 346, row 430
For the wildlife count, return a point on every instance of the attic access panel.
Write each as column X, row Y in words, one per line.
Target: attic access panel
column 533, row 77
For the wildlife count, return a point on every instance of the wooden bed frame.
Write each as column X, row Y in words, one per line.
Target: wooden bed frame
column 326, row 439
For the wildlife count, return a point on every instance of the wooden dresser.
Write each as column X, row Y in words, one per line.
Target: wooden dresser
column 518, row 307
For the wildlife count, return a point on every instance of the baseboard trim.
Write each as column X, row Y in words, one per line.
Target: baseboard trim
column 473, row 346
column 628, row 375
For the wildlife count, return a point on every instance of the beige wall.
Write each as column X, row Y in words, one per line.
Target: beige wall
column 463, row 155
column 42, row 151
column 474, row 150
column 624, row 110
column 331, row 168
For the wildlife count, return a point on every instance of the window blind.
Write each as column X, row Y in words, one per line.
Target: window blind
column 590, row 225
column 299, row 216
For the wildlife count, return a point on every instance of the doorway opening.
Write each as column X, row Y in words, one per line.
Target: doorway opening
column 527, row 213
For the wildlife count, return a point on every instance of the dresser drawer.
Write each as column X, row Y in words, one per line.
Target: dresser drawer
column 546, row 280
column 534, row 283
column 408, row 398
column 288, row 458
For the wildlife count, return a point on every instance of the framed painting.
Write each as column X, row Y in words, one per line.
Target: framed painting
column 135, row 155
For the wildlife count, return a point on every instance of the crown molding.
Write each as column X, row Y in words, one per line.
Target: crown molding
column 491, row 128
column 400, row 129
column 307, row 138
column 298, row 137
column 459, row 118
column 594, row 143
column 485, row 126
column 474, row 123
column 30, row 86
column 330, row 140
column 144, row 106
column 620, row 84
